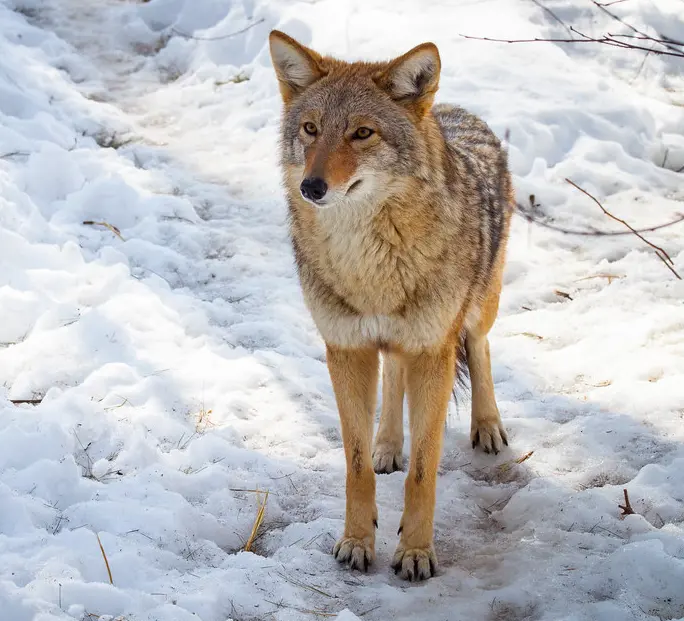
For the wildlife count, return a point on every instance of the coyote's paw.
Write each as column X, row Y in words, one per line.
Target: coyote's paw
column 490, row 435
column 357, row 553
column 387, row 458
column 414, row 563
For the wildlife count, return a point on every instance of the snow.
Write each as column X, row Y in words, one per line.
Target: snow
column 179, row 370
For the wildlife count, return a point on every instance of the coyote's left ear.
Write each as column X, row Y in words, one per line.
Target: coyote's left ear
column 413, row 79
column 296, row 66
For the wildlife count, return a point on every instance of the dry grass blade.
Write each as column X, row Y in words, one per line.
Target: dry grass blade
column 531, row 335
column 562, row 294
column 111, row 227
column 306, row 611
column 92, row 616
column 525, row 457
column 203, row 421
column 661, row 253
column 303, row 585
column 104, row 556
column 609, row 277
column 219, row 38
column 318, row 613
column 261, row 512
column 506, row 466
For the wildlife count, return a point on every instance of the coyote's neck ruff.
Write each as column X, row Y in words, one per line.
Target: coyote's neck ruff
column 399, row 215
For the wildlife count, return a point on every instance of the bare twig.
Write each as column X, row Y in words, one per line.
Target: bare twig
column 620, row 220
column 111, row 227
column 627, row 507
column 27, row 401
column 529, row 214
column 228, row 36
column 667, row 265
column 643, row 35
column 552, row 14
column 645, row 38
column 535, row 40
column 660, row 252
column 605, row 40
column 638, row 73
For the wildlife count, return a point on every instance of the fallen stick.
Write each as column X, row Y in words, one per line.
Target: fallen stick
column 111, row 227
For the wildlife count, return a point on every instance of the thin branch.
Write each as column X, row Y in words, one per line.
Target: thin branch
column 535, row 40
column 552, row 14
column 667, row 265
column 605, row 40
column 638, row 73
column 228, row 36
column 526, row 213
column 660, row 252
column 632, row 28
column 15, row 154
column 111, row 227
column 620, row 220
column 645, row 38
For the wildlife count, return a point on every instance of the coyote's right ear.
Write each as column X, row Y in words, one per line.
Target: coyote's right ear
column 296, row 66
column 413, row 78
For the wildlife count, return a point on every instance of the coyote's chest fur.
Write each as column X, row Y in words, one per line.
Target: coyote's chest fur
column 368, row 261
column 379, row 276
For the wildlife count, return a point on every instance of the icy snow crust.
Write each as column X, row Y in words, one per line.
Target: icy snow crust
column 178, row 368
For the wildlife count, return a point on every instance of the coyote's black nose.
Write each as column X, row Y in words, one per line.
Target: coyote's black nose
column 313, row 188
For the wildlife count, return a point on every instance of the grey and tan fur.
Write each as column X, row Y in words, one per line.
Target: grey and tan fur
column 399, row 216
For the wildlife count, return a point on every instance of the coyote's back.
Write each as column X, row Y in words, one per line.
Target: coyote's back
column 473, row 142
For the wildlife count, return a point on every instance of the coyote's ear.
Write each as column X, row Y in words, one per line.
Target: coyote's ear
column 296, row 66
column 413, row 79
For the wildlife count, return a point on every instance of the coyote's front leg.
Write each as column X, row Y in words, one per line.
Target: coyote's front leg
column 354, row 375
column 429, row 379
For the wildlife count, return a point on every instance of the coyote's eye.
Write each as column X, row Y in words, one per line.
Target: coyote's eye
column 310, row 128
column 362, row 133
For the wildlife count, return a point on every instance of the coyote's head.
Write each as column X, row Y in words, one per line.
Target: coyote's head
column 351, row 131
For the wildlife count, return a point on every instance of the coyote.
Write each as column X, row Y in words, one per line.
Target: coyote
column 399, row 216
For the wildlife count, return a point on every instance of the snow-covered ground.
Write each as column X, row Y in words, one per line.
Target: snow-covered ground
column 179, row 371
